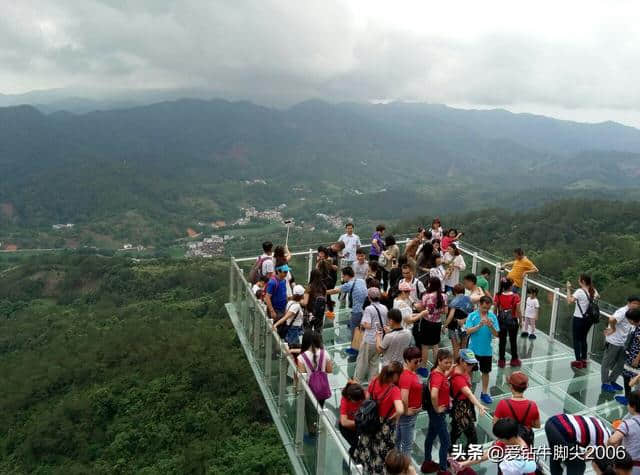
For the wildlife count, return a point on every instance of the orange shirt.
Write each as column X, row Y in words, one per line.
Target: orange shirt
column 519, row 268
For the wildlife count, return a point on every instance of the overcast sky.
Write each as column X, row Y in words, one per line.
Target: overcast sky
column 578, row 60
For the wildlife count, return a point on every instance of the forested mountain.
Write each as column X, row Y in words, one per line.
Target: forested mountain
column 173, row 163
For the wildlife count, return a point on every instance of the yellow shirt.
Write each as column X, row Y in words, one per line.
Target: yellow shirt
column 519, row 268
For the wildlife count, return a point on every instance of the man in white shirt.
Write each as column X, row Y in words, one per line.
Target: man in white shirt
column 417, row 287
column 616, row 336
column 374, row 319
column 351, row 244
column 267, row 268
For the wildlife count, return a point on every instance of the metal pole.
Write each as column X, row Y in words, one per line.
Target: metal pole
column 554, row 314
column 474, row 264
column 523, row 294
column 268, row 355
column 300, row 400
column 310, row 265
column 231, row 280
column 496, row 279
column 256, row 329
column 322, row 442
column 282, row 382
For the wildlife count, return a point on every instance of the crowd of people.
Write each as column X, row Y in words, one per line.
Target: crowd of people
column 401, row 304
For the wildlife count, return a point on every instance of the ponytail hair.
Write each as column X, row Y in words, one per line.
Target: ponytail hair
column 586, row 280
column 435, row 285
column 389, row 371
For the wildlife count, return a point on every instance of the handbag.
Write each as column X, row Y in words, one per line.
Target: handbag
column 356, row 341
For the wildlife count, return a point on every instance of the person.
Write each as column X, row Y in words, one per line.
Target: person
column 391, row 254
column 523, row 410
column 482, row 326
column 627, row 434
column 424, row 261
column 455, row 263
column 393, row 341
column 520, row 267
column 576, row 432
column 351, row 243
column 436, row 230
column 509, row 442
column 398, row 463
column 411, row 392
column 258, row 288
column 374, row 319
column 616, row 336
column 315, row 300
column 508, row 308
column 464, row 402
column 417, row 287
column 403, row 303
column 436, row 269
column 357, row 290
column 375, row 271
column 281, row 256
column 353, row 395
column 427, row 324
column 581, row 325
column 531, row 312
column 395, row 275
column 631, row 357
column 266, row 264
column 440, row 400
column 470, row 282
column 377, row 243
column 361, row 265
column 620, row 464
column 293, row 317
column 437, row 247
column 334, row 252
column 452, row 235
column 329, row 269
column 276, row 295
column 371, row 450
column 459, row 309
column 482, row 280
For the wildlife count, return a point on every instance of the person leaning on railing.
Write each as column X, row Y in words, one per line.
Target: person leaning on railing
column 520, row 267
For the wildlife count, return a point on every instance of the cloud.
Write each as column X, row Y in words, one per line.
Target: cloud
column 567, row 56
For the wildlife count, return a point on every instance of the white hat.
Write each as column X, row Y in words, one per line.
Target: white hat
column 298, row 290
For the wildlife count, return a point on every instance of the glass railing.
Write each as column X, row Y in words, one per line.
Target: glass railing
column 310, row 434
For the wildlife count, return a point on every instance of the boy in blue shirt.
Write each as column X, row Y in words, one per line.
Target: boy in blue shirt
column 276, row 294
column 482, row 326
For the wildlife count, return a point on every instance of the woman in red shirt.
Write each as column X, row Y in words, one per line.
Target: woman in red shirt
column 372, row 450
column 411, row 392
column 440, row 400
column 463, row 414
column 509, row 320
column 524, row 411
column 353, row 395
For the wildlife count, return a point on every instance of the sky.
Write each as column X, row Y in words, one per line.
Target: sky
column 569, row 59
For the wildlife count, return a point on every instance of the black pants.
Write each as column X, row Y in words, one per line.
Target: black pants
column 580, row 329
column 385, row 279
column 351, row 436
column 512, row 331
column 555, row 438
column 627, row 388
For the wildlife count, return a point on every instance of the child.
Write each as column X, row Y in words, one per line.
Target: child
column 531, row 311
column 259, row 287
column 627, row 434
column 361, row 266
column 291, row 322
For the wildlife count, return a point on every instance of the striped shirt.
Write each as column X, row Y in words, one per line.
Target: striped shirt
column 582, row 430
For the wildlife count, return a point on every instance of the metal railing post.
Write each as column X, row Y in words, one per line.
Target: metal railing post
column 474, row 264
column 300, row 401
column 282, row 382
column 310, row 265
column 321, row 447
column 496, row 279
column 523, row 294
column 231, row 281
column 554, row 314
column 268, row 354
column 256, row 328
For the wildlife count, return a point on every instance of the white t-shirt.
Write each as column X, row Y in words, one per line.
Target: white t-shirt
column 415, row 284
column 623, row 328
column 298, row 315
column 531, row 307
column 438, row 272
column 309, row 355
column 351, row 245
column 361, row 270
column 371, row 316
column 267, row 264
column 459, row 264
column 405, row 309
column 436, row 234
column 582, row 299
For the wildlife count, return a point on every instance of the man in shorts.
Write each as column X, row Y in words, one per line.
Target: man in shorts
column 482, row 326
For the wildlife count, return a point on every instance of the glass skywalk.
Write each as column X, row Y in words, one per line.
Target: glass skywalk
column 553, row 384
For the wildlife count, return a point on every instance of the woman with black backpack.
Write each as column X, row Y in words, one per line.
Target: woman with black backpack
column 376, row 440
column 508, row 310
column 584, row 298
column 315, row 300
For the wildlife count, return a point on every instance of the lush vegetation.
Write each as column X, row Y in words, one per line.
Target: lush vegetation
column 112, row 366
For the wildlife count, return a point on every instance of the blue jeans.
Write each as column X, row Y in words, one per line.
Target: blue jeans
column 293, row 335
column 437, row 428
column 354, row 321
column 404, row 433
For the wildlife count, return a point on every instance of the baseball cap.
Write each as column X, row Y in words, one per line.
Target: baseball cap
column 404, row 287
column 518, row 379
column 283, row 268
column 373, row 293
column 298, row 290
column 468, row 356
